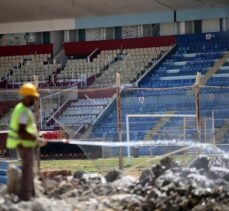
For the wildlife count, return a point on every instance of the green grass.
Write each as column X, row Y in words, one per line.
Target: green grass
column 105, row 165
column 96, row 165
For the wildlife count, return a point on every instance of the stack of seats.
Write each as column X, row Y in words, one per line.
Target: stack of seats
column 181, row 67
column 221, row 78
column 76, row 68
column 34, row 65
column 8, row 64
column 133, row 64
column 83, row 112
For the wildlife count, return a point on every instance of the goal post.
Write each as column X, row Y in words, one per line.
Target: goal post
column 183, row 117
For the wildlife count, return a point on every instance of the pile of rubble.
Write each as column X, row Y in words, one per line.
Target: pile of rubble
column 204, row 185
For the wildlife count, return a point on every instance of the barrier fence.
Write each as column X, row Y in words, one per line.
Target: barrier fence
column 165, row 118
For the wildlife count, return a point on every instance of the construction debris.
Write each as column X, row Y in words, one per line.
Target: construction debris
column 202, row 186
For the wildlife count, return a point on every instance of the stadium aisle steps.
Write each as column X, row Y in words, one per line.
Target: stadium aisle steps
column 222, row 131
column 216, row 67
column 160, row 124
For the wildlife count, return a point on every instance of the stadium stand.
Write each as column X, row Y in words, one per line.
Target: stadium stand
column 132, row 64
column 80, row 69
column 83, row 112
column 48, row 109
column 148, row 128
column 19, row 63
column 178, row 69
column 8, row 64
column 33, row 65
column 181, row 67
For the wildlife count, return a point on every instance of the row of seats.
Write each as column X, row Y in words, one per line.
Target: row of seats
column 8, row 64
column 132, row 64
column 91, row 102
column 31, row 65
column 83, row 111
column 140, row 51
column 70, row 120
column 74, row 69
column 26, row 73
column 13, row 62
column 185, row 62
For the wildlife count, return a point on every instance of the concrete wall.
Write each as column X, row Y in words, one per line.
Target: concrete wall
column 95, row 34
column 57, row 38
column 211, row 25
column 202, row 13
column 37, row 26
column 124, row 20
column 167, row 29
column 164, row 18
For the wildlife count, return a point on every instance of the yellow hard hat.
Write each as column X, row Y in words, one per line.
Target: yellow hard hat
column 28, row 89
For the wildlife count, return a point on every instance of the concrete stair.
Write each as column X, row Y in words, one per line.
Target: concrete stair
column 213, row 70
column 158, row 126
column 221, row 132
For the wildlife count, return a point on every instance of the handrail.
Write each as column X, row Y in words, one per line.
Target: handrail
column 59, row 57
column 154, row 65
column 91, row 54
column 66, row 101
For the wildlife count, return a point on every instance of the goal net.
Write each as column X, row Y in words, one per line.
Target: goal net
column 165, row 132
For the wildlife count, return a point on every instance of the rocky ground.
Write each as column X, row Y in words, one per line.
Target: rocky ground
column 204, row 185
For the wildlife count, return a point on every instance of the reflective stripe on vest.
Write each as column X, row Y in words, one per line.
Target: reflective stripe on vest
column 13, row 138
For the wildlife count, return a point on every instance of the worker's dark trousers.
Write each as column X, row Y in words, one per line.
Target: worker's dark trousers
column 27, row 186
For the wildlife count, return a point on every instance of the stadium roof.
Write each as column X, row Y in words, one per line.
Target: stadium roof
column 33, row 10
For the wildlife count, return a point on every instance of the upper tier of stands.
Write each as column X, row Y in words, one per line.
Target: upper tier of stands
column 180, row 68
column 8, row 64
column 33, row 65
column 81, row 68
column 25, row 64
column 16, row 58
column 131, row 64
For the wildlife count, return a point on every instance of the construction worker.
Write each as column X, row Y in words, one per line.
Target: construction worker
column 23, row 136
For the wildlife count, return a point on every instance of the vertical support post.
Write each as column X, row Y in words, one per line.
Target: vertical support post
column 37, row 113
column 119, row 118
column 213, row 128
column 41, row 115
column 37, row 116
column 184, row 129
column 205, row 130
column 59, row 102
column 128, row 138
column 197, row 95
